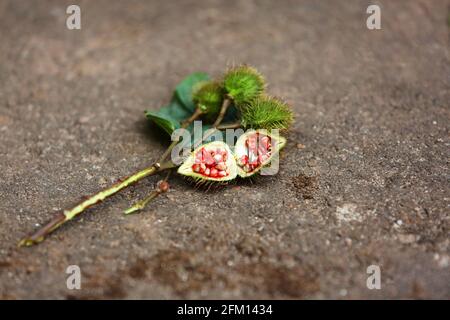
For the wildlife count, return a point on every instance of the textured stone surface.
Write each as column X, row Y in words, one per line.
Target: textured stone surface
column 364, row 178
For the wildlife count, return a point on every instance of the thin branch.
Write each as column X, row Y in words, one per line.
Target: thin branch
column 225, row 126
column 151, row 196
column 223, row 110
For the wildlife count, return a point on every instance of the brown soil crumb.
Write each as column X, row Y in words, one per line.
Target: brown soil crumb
column 305, row 186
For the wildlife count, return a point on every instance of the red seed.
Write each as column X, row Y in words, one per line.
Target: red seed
column 244, row 159
column 218, row 157
column 214, row 172
column 221, row 166
column 208, row 159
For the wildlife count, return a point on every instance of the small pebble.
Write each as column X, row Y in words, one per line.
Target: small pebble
column 406, row 238
column 348, row 242
column 343, row 292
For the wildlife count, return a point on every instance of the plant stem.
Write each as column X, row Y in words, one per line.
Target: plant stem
column 223, row 110
column 142, row 203
column 197, row 113
column 234, row 125
column 67, row 215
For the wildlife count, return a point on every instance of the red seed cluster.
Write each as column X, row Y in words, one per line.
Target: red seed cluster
column 259, row 149
column 211, row 163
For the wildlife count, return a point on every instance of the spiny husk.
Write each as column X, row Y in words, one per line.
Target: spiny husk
column 278, row 142
column 186, row 168
column 206, row 185
column 209, row 97
column 268, row 113
column 243, row 84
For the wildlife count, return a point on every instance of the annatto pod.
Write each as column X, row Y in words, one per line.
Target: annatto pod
column 213, row 162
column 209, row 97
column 256, row 149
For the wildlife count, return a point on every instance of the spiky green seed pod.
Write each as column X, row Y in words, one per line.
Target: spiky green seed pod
column 267, row 113
column 209, row 97
column 243, row 84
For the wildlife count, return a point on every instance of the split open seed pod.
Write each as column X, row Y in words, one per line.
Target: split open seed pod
column 255, row 149
column 211, row 162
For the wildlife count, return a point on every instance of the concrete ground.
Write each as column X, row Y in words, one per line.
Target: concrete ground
column 364, row 179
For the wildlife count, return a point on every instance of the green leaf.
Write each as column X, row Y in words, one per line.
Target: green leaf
column 167, row 123
column 180, row 108
column 183, row 91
